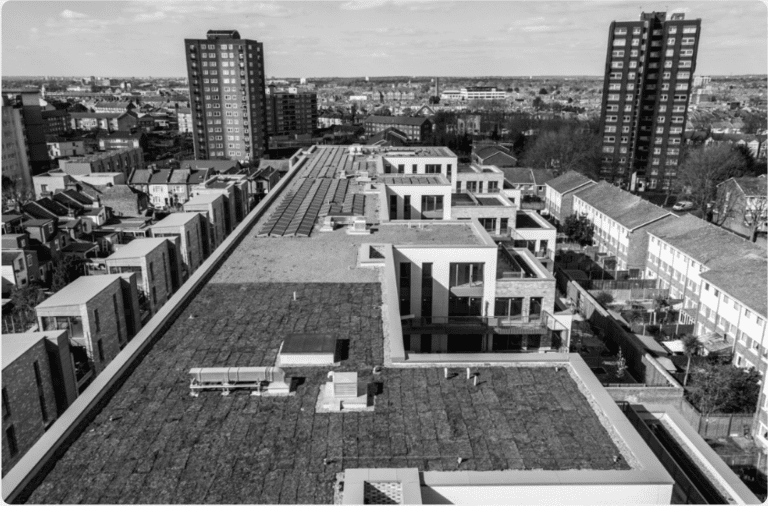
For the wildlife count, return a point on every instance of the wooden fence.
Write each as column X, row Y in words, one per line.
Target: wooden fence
column 718, row 424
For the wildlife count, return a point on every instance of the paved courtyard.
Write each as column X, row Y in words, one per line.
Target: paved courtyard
column 153, row 443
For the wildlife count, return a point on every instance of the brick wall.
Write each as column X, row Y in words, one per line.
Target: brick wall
column 161, row 283
column 525, row 288
column 25, row 414
column 111, row 339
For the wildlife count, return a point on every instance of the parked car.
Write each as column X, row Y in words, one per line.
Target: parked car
column 683, row 205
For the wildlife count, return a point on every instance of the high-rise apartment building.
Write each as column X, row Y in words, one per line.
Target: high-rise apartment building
column 226, row 84
column 291, row 111
column 648, row 79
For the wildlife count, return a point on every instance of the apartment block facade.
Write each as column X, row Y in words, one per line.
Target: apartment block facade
column 227, row 95
column 649, row 71
column 291, row 112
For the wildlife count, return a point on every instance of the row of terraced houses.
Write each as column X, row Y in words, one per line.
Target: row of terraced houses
column 719, row 277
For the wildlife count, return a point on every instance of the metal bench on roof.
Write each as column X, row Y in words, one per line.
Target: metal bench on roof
column 227, row 379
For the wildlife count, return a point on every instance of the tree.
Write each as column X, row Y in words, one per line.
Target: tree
column 604, row 298
column 579, row 229
column 24, row 301
column 66, row 270
column 723, row 388
column 754, row 123
column 691, row 346
column 571, row 147
column 543, row 91
column 16, row 194
column 703, row 169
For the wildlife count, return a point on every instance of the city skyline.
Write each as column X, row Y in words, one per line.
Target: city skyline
column 375, row 38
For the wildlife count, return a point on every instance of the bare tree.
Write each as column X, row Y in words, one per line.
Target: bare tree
column 691, row 346
column 753, row 214
column 570, row 148
column 703, row 169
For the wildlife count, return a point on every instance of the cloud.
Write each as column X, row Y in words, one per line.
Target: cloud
column 357, row 5
column 68, row 14
column 154, row 16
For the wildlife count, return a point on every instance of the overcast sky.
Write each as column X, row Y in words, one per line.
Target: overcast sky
column 362, row 37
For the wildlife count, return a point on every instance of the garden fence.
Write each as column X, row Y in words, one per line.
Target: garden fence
column 717, row 424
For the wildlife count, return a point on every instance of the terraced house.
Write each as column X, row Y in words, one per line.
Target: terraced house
column 621, row 222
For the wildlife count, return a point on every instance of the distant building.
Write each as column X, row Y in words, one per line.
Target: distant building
column 57, row 122
column 60, row 147
column 119, row 107
column 110, row 121
column 417, row 129
column 192, row 231
column 468, row 124
column 121, row 140
column 741, row 204
column 16, row 165
column 649, row 71
column 492, row 154
column 184, row 119
column 158, row 263
column 30, row 108
column 291, row 112
column 234, row 189
column 240, row 61
column 213, row 207
column 123, row 160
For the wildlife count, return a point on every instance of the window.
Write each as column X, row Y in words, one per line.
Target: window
column 617, row 54
column 10, row 436
column 40, row 391
column 689, row 29
column 688, row 41
column 96, row 320
column 672, row 29
column 6, row 404
column 405, row 288
column 463, row 274
column 151, row 271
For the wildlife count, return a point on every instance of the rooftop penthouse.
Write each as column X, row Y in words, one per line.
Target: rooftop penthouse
column 518, row 421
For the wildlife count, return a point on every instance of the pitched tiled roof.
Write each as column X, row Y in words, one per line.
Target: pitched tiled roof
column 140, row 176
column 665, row 229
column 568, row 181
column 198, row 176
column 710, row 244
column 396, row 120
column 517, row 175
column 180, row 176
column 752, row 186
column 626, row 209
column 160, row 177
column 742, row 275
column 541, row 176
